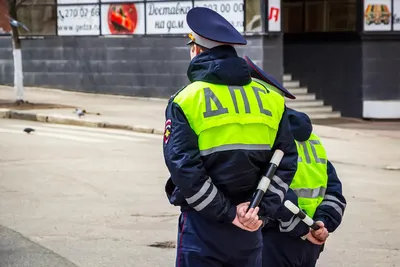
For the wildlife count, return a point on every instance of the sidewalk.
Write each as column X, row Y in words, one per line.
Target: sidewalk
column 140, row 114
column 144, row 114
column 348, row 143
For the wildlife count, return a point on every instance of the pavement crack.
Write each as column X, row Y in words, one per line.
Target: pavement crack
column 164, row 244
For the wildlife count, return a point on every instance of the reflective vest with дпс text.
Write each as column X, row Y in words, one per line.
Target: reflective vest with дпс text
column 217, row 114
column 311, row 177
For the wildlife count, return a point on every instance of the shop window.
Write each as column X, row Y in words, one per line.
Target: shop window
column 293, row 17
column 341, row 16
column 253, row 16
column 315, row 16
column 319, row 15
column 40, row 19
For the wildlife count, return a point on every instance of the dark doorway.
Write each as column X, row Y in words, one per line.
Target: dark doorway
column 322, row 49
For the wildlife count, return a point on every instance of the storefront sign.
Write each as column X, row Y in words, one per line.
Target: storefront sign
column 78, row 20
column 396, row 15
column 122, row 19
column 377, row 15
column 274, row 16
column 167, row 17
column 231, row 10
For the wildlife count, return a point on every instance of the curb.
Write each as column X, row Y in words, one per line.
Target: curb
column 55, row 119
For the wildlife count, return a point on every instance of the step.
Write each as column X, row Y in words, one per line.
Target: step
column 303, row 97
column 313, row 110
column 299, row 91
column 328, row 115
column 302, row 104
column 287, row 77
column 307, row 102
column 291, row 84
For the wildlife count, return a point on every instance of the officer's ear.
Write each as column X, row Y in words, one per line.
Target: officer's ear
column 195, row 49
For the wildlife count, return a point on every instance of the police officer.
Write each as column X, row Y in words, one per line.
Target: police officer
column 316, row 189
column 220, row 133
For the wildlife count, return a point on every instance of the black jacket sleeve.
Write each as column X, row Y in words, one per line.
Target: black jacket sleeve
column 288, row 223
column 284, row 175
column 332, row 208
column 182, row 157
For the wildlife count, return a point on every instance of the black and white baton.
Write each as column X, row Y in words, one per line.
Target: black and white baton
column 299, row 213
column 266, row 179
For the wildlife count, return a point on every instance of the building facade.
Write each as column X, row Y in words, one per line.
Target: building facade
column 347, row 52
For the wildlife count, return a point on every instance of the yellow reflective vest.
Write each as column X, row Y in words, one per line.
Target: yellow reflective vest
column 217, row 114
column 311, row 177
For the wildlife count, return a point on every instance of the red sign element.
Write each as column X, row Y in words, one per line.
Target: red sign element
column 274, row 13
column 122, row 18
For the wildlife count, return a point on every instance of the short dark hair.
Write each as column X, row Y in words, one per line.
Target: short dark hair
column 201, row 47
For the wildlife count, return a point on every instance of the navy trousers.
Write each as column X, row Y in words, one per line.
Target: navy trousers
column 281, row 250
column 203, row 243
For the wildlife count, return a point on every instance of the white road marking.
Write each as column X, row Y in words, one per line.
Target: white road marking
column 61, row 136
column 95, row 130
column 78, row 132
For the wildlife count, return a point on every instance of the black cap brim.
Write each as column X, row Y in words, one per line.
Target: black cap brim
column 262, row 75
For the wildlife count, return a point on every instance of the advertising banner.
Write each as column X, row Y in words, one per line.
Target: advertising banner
column 122, row 19
column 274, row 16
column 231, row 10
column 78, row 20
column 167, row 17
column 377, row 15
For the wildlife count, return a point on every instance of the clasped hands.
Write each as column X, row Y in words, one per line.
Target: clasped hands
column 247, row 220
column 250, row 221
column 318, row 237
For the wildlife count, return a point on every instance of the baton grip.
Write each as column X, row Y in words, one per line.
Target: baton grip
column 299, row 213
column 256, row 199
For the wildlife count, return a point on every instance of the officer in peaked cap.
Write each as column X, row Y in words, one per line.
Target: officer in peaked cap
column 220, row 133
column 210, row 29
column 287, row 240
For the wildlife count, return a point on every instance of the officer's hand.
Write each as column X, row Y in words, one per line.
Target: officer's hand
column 314, row 240
column 249, row 219
column 250, row 229
column 322, row 233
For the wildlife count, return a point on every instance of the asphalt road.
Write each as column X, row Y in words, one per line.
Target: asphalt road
column 95, row 197
column 16, row 250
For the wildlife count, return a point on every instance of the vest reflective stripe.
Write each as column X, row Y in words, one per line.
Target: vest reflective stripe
column 217, row 114
column 310, row 193
column 311, row 177
column 233, row 147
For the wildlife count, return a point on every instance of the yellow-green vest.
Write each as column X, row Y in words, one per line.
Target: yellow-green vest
column 218, row 114
column 311, row 177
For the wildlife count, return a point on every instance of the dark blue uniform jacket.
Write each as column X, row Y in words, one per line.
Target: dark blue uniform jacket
column 234, row 174
column 331, row 210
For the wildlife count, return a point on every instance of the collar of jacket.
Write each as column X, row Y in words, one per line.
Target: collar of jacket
column 219, row 65
column 300, row 125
